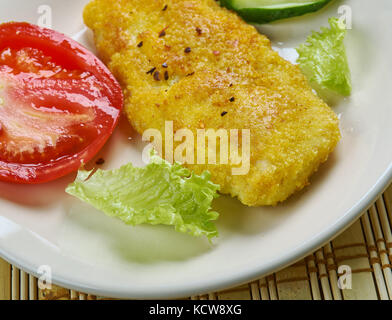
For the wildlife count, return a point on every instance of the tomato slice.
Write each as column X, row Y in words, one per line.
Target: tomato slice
column 58, row 104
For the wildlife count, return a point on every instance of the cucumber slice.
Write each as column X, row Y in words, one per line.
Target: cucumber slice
column 264, row 11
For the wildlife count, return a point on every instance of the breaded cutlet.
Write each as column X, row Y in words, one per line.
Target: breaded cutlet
column 210, row 69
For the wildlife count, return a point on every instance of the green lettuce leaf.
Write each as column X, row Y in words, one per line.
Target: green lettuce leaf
column 323, row 59
column 160, row 193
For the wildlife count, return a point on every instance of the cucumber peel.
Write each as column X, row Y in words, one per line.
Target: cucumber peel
column 265, row 11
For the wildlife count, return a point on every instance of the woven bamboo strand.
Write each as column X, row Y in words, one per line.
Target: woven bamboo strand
column 314, row 283
column 82, row 296
column 388, row 202
column 272, row 290
column 5, row 280
column 212, row 296
column 332, row 272
column 264, row 293
column 381, row 246
column 255, row 290
column 375, row 261
column 74, row 295
column 323, row 275
column 33, row 288
column 15, row 283
column 24, row 285
column 387, row 232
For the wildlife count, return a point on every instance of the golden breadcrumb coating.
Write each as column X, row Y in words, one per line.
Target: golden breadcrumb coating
column 209, row 63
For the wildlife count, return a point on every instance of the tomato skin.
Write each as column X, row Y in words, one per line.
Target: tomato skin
column 70, row 55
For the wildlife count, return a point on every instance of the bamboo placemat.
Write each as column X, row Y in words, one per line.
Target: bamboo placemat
column 366, row 248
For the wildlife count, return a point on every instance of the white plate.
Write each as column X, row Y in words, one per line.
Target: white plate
column 87, row 251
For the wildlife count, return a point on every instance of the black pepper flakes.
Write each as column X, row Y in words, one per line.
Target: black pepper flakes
column 187, row 50
column 224, row 113
column 164, row 65
column 232, row 99
column 100, row 161
column 162, row 33
column 166, row 75
column 157, row 76
column 151, row 71
column 190, row 74
column 199, row 31
column 165, row 8
column 140, row 44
